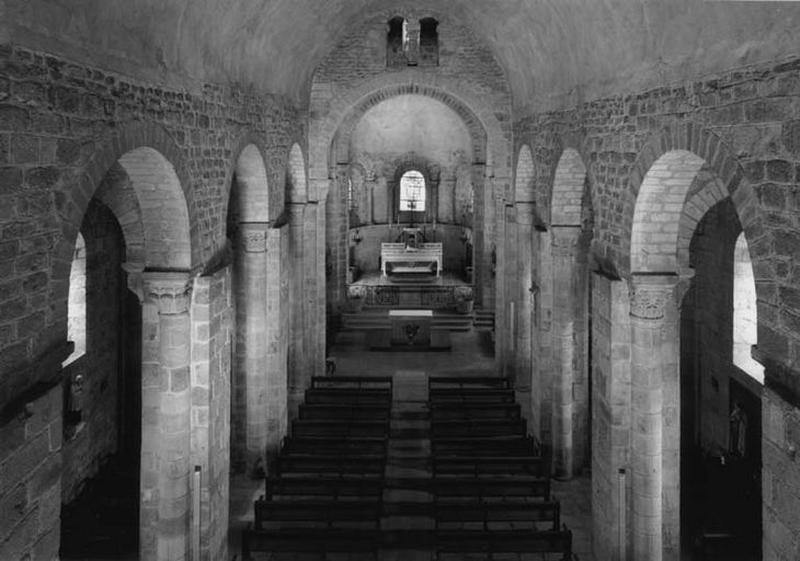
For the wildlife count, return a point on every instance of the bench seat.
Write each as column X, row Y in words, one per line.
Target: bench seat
column 538, row 515
column 294, row 464
column 345, row 411
column 346, row 487
column 493, row 542
column 489, row 465
column 317, row 427
column 329, row 445
column 490, row 488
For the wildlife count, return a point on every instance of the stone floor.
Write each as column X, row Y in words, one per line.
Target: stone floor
column 470, row 354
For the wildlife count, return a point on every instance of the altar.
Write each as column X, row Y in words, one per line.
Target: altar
column 411, row 327
column 409, row 330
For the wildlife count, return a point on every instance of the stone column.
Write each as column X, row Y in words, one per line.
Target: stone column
column 523, row 279
column 298, row 361
column 251, row 352
column 564, row 243
column 336, row 216
column 320, row 296
column 483, row 230
column 651, row 303
column 166, row 419
column 412, row 46
column 277, row 309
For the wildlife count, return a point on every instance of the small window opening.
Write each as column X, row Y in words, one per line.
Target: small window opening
column 412, row 191
column 428, row 42
column 76, row 305
column 396, row 42
column 745, row 315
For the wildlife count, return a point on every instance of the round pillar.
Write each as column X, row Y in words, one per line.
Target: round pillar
column 251, row 351
column 166, row 416
column 564, row 248
column 651, row 297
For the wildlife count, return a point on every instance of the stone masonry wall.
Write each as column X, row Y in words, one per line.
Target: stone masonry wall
column 30, row 471
column 62, row 126
column 96, row 436
column 55, row 117
column 745, row 126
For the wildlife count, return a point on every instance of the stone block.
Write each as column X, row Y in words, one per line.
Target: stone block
column 179, row 379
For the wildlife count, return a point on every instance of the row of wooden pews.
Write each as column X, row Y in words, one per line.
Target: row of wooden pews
column 490, row 484
column 326, row 493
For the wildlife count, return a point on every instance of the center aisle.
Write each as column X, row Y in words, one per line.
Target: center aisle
column 406, row 499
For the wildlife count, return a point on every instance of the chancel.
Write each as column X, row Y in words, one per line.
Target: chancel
column 424, row 280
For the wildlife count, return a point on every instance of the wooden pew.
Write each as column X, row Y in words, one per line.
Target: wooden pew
column 333, row 445
column 317, row 427
column 474, row 410
column 490, row 488
column 538, row 515
column 290, row 465
column 466, row 395
column 318, row 541
column 479, row 428
column 488, row 446
column 352, row 382
column 490, row 543
column 478, row 466
column 281, row 514
column 347, row 396
column 345, row 411
column 462, row 382
column 334, row 488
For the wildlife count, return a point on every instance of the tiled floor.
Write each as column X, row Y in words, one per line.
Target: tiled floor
column 470, row 354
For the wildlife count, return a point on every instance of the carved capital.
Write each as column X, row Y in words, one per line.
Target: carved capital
column 168, row 290
column 253, row 237
column 650, row 295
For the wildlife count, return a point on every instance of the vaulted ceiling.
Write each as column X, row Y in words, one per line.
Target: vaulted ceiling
column 553, row 51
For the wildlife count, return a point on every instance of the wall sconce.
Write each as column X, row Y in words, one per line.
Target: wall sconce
column 357, row 237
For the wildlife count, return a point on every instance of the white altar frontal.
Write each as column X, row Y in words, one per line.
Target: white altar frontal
column 400, row 259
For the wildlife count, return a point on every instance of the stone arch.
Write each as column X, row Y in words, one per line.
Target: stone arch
column 250, row 169
column 568, row 189
column 523, row 177
column 117, row 193
column 297, row 183
column 706, row 147
column 340, row 138
column 659, row 204
column 481, row 118
column 156, row 167
column 698, row 203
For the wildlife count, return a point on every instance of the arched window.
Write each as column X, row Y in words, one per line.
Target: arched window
column 428, row 42
column 396, row 38
column 745, row 324
column 76, row 305
column 412, row 192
